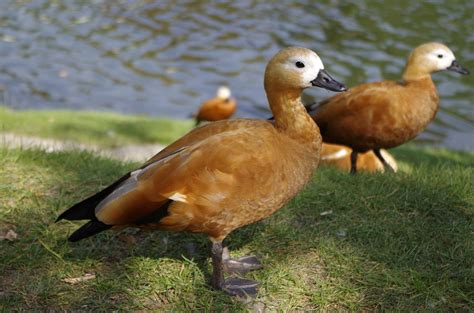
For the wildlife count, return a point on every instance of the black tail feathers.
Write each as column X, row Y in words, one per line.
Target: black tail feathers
column 85, row 210
column 79, row 211
column 87, row 230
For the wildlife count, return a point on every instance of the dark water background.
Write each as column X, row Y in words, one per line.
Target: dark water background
column 163, row 58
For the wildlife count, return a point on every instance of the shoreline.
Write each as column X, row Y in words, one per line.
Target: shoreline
column 126, row 153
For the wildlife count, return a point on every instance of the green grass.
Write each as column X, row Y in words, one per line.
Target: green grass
column 99, row 128
column 393, row 242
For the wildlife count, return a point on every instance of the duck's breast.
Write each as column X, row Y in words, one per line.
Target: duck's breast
column 412, row 107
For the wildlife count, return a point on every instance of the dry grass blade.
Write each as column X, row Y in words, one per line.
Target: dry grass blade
column 76, row 280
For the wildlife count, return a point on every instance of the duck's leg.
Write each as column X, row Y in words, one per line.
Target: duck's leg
column 217, row 279
column 240, row 265
column 386, row 165
column 233, row 285
column 354, row 155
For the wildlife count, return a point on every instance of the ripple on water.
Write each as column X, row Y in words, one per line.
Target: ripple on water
column 160, row 58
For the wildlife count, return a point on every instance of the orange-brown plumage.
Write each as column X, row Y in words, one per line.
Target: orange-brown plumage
column 221, row 107
column 378, row 115
column 222, row 175
column 233, row 189
column 387, row 114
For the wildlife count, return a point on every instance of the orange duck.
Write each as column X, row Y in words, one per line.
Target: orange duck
column 387, row 114
column 339, row 156
column 218, row 108
column 222, row 175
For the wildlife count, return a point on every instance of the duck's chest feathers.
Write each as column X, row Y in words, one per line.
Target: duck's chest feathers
column 416, row 108
column 291, row 170
column 286, row 181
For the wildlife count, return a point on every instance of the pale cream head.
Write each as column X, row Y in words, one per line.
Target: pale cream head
column 428, row 58
column 292, row 68
column 223, row 92
column 433, row 56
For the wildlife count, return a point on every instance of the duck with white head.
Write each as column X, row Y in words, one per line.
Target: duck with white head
column 222, row 175
column 221, row 107
column 383, row 115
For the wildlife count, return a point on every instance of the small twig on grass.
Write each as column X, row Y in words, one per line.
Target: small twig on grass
column 75, row 280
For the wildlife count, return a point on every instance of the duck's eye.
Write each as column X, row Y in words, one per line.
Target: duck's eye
column 299, row 64
column 440, row 56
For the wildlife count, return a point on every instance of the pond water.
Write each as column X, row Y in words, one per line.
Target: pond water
column 163, row 58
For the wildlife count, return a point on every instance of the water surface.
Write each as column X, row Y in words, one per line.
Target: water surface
column 165, row 57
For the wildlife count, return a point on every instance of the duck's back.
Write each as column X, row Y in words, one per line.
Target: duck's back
column 205, row 131
column 217, row 109
column 377, row 115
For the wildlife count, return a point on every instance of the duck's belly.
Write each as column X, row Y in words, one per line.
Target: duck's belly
column 389, row 132
column 249, row 211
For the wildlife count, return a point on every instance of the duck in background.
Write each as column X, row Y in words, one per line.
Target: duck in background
column 387, row 114
column 221, row 107
column 339, row 156
column 222, row 175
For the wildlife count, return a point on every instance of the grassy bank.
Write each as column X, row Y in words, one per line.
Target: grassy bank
column 398, row 242
column 98, row 128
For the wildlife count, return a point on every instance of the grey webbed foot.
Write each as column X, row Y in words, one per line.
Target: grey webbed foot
column 233, row 285
column 240, row 265
column 240, row 287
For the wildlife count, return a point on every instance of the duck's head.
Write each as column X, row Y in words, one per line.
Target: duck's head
column 432, row 57
column 293, row 69
column 223, row 92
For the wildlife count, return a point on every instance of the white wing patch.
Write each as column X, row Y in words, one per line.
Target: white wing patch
column 336, row 155
column 179, row 197
column 131, row 183
column 135, row 173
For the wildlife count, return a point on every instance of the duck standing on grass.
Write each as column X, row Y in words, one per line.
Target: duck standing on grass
column 221, row 107
column 223, row 175
column 387, row 114
column 339, row 156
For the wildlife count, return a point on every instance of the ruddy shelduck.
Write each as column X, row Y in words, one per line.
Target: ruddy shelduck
column 221, row 107
column 389, row 113
column 339, row 156
column 222, row 175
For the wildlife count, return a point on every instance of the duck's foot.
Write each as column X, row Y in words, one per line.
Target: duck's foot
column 240, row 265
column 240, row 287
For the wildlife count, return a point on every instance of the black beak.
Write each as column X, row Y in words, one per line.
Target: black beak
column 327, row 82
column 455, row 67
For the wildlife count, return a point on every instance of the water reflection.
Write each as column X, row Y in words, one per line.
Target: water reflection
column 164, row 58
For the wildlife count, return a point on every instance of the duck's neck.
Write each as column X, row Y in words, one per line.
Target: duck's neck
column 422, row 82
column 291, row 116
column 415, row 71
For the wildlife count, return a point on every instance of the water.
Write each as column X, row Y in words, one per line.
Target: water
column 163, row 58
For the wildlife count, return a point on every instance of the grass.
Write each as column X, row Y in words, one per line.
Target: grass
column 99, row 128
column 401, row 242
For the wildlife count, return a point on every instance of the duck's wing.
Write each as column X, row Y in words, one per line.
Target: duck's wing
column 207, row 108
column 200, row 133
column 170, row 189
column 199, row 176
column 85, row 209
column 357, row 105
